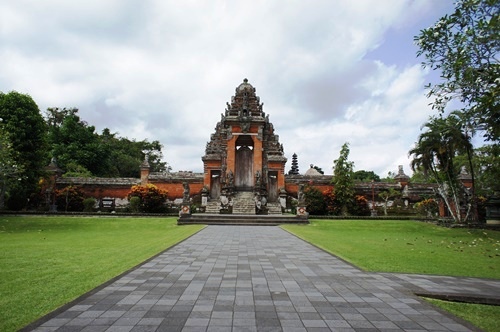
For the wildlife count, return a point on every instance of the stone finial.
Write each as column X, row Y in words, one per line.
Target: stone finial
column 145, row 163
column 401, row 173
column 401, row 177
column 464, row 174
column 53, row 168
column 145, row 171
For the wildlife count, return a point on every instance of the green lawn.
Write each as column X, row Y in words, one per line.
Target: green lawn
column 407, row 246
column 414, row 247
column 485, row 317
column 46, row 262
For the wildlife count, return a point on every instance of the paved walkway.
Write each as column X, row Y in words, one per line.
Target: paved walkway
column 261, row 278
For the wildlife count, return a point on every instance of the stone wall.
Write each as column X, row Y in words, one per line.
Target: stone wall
column 370, row 190
column 118, row 188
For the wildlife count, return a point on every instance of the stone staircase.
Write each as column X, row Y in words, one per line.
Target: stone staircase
column 274, row 208
column 243, row 214
column 243, row 203
column 213, row 207
column 240, row 219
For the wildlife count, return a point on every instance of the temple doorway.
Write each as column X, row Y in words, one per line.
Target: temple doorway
column 215, row 184
column 243, row 179
column 273, row 186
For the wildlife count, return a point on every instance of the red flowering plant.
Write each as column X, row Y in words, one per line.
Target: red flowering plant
column 152, row 198
column 70, row 198
column 360, row 206
column 427, row 207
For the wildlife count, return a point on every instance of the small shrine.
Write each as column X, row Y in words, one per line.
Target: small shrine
column 244, row 154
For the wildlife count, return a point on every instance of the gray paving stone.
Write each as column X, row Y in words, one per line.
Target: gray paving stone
column 251, row 278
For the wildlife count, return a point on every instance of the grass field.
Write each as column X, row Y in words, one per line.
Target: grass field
column 46, row 262
column 407, row 246
column 414, row 247
column 485, row 317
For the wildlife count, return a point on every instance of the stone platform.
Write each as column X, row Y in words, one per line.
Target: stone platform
column 240, row 219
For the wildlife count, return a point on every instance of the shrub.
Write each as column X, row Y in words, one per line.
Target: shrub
column 315, row 202
column 70, row 199
column 427, row 207
column 152, row 199
column 332, row 206
column 89, row 204
column 359, row 207
column 135, row 204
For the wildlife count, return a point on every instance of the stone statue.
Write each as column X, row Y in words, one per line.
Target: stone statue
column 301, row 197
column 258, row 203
column 185, row 198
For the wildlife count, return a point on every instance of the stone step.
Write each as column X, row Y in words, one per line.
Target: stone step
column 243, row 203
column 274, row 208
column 213, row 207
column 231, row 219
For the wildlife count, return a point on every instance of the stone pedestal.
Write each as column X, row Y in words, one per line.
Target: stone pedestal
column 301, row 211
column 282, row 199
column 185, row 210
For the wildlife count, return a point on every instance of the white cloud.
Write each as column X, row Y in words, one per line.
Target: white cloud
column 164, row 70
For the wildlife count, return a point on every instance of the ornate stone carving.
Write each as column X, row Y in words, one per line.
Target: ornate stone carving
column 244, row 116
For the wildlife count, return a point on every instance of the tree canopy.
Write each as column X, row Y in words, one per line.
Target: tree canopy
column 26, row 131
column 464, row 47
column 365, row 176
column 436, row 153
column 80, row 150
column 9, row 170
column 343, row 179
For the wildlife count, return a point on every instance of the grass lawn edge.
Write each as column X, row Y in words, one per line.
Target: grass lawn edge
column 83, row 296
column 345, row 260
column 450, row 308
column 427, row 298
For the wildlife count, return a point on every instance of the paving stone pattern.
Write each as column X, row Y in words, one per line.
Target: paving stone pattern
column 251, row 278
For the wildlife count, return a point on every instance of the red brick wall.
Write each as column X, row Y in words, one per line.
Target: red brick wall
column 176, row 190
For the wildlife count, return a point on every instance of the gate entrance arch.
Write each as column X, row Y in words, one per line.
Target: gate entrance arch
column 244, row 150
column 244, row 163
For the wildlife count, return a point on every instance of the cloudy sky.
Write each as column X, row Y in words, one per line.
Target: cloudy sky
column 328, row 72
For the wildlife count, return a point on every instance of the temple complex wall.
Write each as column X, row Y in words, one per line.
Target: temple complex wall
column 257, row 166
column 118, row 188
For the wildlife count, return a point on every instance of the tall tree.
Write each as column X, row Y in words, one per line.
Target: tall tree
column 9, row 170
column 127, row 155
column 366, row 176
column 81, row 151
column 342, row 180
column 435, row 153
column 386, row 195
column 26, row 130
column 75, row 142
column 464, row 47
column 487, row 165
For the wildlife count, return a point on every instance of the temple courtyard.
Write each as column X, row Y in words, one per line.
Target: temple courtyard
column 262, row 278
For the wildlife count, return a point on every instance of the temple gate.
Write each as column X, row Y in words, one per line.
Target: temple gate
column 244, row 153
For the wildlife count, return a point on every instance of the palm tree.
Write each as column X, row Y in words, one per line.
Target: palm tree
column 435, row 152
